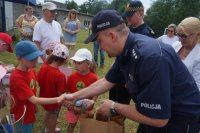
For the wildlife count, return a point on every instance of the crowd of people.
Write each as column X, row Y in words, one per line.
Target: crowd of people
column 161, row 75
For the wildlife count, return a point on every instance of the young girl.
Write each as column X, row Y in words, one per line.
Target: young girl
column 81, row 78
column 23, row 86
column 52, row 83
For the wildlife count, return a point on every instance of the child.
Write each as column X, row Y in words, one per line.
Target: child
column 23, row 86
column 5, row 42
column 5, row 45
column 52, row 83
column 79, row 79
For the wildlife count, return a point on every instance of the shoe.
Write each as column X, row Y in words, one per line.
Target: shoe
column 57, row 129
column 102, row 66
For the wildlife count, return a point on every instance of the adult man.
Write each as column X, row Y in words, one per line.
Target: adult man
column 47, row 30
column 164, row 92
column 134, row 13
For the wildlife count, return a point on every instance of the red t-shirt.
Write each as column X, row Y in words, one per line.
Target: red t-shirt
column 22, row 87
column 77, row 81
column 52, row 83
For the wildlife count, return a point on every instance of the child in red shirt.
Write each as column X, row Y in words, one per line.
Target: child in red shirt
column 23, row 86
column 81, row 78
column 52, row 83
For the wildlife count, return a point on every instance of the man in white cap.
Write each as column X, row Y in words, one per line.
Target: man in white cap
column 47, row 30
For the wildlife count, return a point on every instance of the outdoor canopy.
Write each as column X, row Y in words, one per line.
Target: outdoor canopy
column 27, row 2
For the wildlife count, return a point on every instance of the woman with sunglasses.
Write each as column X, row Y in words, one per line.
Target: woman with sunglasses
column 188, row 47
column 71, row 27
column 170, row 35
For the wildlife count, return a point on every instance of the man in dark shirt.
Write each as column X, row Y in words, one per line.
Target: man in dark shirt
column 134, row 13
column 167, row 99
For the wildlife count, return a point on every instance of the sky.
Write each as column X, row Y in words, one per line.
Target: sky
column 146, row 3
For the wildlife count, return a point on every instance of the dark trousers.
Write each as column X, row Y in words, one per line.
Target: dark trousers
column 175, row 125
column 120, row 94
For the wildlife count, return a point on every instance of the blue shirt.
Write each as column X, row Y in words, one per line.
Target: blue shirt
column 157, row 80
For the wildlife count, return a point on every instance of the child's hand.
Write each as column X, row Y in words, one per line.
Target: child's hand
column 66, row 100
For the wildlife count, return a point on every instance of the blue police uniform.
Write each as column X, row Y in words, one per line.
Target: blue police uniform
column 157, row 80
column 119, row 93
column 143, row 29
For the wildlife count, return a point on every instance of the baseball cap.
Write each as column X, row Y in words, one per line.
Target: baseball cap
column 7, row 39
column 132, row 7
column 103, row 20
column 81, row 55
column 60, row 50
column 49, row 6
column 27, row 50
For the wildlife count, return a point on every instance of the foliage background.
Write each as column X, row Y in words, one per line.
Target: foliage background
column 158, row 16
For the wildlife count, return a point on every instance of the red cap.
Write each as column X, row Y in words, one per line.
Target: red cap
column 7, row 39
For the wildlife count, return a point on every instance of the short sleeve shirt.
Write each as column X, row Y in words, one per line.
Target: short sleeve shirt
column 155, row 76
column 47, row 32
column 52, row 83
column 22, row 87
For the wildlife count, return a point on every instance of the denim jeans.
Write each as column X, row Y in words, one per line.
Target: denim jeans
column 96, row 50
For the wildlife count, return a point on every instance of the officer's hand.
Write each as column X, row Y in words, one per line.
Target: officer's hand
column 104, row 108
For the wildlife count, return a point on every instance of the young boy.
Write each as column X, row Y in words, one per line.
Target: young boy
column 23, row 85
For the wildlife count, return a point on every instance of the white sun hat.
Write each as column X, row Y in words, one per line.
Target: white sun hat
column 81, row 55
column 60, row 50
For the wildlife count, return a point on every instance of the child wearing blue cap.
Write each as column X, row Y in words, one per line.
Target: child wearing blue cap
column 23, row 86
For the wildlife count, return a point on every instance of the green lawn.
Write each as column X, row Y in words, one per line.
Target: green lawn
column 130, row 126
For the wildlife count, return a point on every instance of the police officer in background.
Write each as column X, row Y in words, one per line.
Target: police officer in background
column 134, row 13
column 167, row 99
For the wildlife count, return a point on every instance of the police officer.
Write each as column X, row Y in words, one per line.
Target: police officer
column 166, row 96
column 134, row 13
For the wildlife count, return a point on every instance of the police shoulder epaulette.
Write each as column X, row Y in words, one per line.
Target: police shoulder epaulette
column 151, row 30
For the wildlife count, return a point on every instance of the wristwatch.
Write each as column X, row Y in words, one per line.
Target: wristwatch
column 112, row 109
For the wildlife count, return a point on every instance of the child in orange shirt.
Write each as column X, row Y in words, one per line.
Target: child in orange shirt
column 81, row 78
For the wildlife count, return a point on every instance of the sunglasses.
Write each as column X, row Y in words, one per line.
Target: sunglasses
column 170, row 31
column 183, row 36
column 73, row 13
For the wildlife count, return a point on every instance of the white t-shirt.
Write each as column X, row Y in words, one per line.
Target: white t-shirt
column 168, row 40
column 47, row 32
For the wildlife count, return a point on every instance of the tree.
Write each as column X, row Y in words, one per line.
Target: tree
column 93, row 6
column 164, row 12
column 119, row 5
column 71, row 4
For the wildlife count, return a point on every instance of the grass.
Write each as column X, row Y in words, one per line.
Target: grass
column 9, row 58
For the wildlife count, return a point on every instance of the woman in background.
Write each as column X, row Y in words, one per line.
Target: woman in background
column 188, row 48
column 71, row 27
column 170, row 36
column 25, row 23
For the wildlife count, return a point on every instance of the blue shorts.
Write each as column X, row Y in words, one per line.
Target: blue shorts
column 27, row 128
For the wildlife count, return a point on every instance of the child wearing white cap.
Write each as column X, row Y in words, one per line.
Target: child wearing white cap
column 52, row 83
column 81, row 78
column 23, row 86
